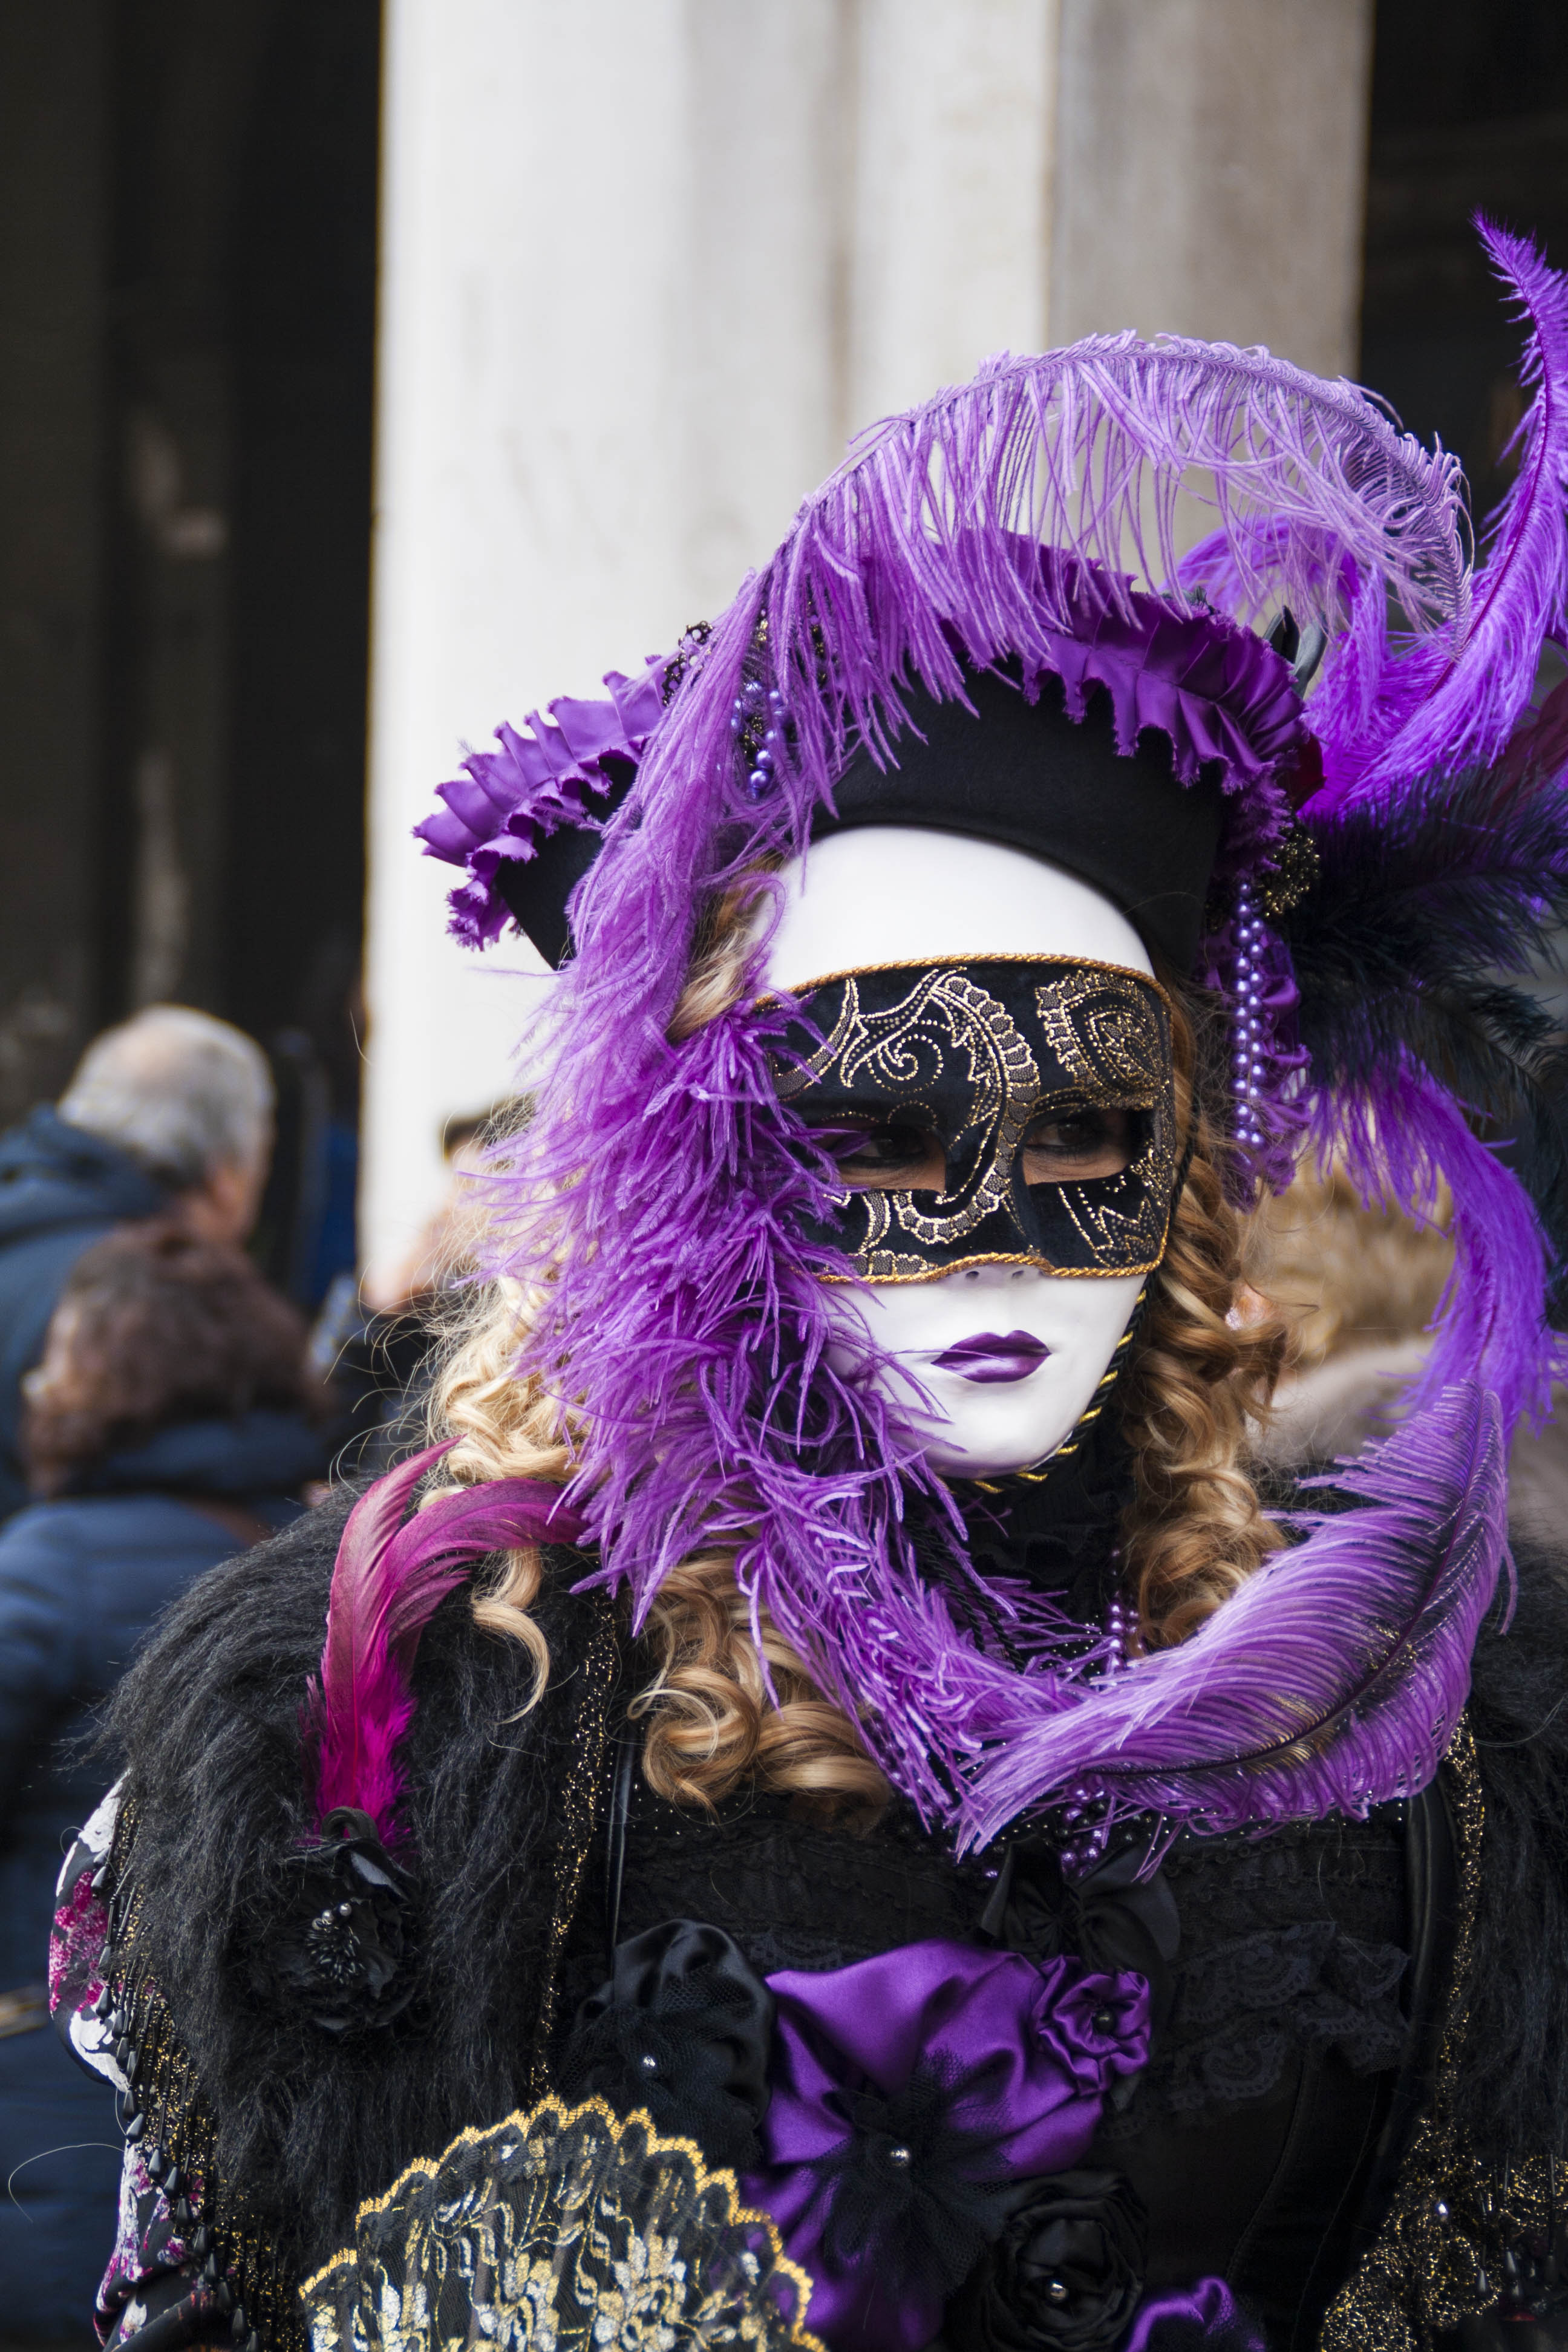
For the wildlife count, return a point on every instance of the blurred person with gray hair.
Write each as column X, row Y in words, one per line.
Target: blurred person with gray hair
column 168, row 1114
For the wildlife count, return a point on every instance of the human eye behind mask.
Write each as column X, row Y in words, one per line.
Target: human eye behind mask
column 1013, row 1110
column 1059, row 1147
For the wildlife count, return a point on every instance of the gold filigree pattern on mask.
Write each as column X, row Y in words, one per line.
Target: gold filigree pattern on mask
column 944, row 1006
column 1109, row 1036
column 972, row 1054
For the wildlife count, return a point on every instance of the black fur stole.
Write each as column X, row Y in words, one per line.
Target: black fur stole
column 208, row 1724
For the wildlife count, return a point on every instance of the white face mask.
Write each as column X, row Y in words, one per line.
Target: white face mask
column 1006, row 1357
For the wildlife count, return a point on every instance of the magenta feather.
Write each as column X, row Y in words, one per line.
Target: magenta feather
column 1332, row 1680
column 388, row 1579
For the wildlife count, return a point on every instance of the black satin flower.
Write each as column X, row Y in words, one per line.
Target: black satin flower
column 1065, row 2275
column 339, row 1952
column 682, row 2029
column 1113, row 1917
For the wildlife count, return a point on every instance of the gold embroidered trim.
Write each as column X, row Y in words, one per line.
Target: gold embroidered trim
column 994, row 1257
column 977, row 955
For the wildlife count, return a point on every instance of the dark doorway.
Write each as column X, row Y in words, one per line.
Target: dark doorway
column 1469, row 110
column 187, row 297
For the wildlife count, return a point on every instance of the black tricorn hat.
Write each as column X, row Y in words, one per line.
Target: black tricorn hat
column 1000, row 768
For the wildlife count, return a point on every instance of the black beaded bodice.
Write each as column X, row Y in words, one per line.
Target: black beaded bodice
column 1251, row 2133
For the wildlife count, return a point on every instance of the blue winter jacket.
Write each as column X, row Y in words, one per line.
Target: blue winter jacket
column 82, row 1580
column 60, row 1190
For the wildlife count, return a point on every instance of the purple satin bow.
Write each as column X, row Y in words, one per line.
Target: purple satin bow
column 1025, row 2054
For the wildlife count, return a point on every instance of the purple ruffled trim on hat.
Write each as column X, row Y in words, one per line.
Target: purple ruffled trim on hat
column 1226, row 701
column 507, row 802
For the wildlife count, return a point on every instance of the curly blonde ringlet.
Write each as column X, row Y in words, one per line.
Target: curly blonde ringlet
column 1194, row 1531
column 1198, row 1376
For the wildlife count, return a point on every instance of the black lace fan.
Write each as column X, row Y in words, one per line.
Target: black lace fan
column 561, row 2230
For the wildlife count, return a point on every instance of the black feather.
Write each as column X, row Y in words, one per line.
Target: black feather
column 1405, row 951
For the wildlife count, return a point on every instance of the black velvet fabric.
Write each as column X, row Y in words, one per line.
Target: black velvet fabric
column 793, row 1891
column 1025, row 774
column 1515, row 2079
column 1019, row 772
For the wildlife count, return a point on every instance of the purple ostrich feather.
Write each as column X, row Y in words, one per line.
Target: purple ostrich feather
column 1458, row 695
column 1333, row 1679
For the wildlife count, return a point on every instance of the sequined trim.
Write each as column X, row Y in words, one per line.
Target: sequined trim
column 1461, row 2238
column 580, row 1801
column 243, row 2284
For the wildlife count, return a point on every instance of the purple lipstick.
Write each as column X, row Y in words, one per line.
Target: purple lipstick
column 987, row 1357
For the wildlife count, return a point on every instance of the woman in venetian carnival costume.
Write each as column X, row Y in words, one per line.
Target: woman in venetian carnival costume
column 832, row 1807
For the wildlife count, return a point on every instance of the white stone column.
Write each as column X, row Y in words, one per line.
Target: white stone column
column 604, row 383
column 950, row 192
column 646, row 263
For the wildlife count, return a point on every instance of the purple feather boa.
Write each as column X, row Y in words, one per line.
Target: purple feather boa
column 1333, row 1679
column 699, row 1344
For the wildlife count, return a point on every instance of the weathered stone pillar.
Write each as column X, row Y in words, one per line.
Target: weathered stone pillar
column 1210, row 172
column 610, row 368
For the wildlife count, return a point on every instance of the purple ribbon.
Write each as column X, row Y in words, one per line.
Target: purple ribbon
column 1208, row 2307
column 1029, row 2053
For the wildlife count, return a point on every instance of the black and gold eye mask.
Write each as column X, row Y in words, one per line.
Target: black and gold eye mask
column 1026, row 1103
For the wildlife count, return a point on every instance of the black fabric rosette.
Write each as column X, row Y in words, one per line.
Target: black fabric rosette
column 680, row 2030
column 1065, row 2275
column 903, row 2193
column 1118, row 1915
column 339, row 1950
